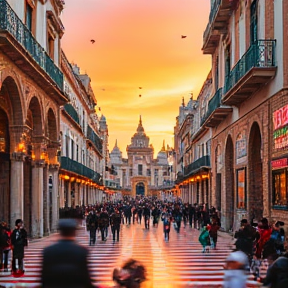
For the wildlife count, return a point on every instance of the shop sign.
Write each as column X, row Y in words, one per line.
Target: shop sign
column 280, row 117
column 241, row 148
column 280, row 137
column 279, row 163
column 280, row 124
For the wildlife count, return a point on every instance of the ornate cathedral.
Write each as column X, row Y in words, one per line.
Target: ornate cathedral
column 140, row 173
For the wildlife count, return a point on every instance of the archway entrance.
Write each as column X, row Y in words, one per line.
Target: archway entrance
column 140, row 189
column 255, row 192
column 229, row 181
column 4, row 167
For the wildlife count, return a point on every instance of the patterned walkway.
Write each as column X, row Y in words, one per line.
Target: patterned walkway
column 177, row 263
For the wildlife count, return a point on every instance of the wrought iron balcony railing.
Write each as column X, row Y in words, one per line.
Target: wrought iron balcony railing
column 214, row 8
column 72, row 112
column 94, row 138
column 213, row 104
column 204, row 161
column 11, row 23
column 261, row 54
column 80, row 169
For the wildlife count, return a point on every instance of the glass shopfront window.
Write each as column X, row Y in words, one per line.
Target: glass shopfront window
column 279, row 188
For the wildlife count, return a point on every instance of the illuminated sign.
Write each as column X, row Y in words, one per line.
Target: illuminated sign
column 280, row 117
column 279, row 163
column 280, row 124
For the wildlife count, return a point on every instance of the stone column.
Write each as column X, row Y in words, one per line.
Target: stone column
column 17, row 187
column 76, row 194
column 84, row 194
column 61, row 194
column 69, row 194
column 53, row 172
column 46, row 201
column 37, row 199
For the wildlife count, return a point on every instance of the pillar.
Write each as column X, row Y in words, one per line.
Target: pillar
column 76, row 194
column 37, row 199
column 69, row 194
column 84, row 194
column 46, row 201
column 53, row 172
column 61, row 193
column 17, row 188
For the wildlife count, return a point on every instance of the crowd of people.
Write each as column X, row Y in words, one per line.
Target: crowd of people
column 259, row 248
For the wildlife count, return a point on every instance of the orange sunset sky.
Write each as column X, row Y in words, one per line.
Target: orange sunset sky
column 138, row 44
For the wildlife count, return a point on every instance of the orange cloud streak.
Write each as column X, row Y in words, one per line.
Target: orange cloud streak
column 138, row 44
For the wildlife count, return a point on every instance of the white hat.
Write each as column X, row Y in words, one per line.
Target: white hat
column 238, row 256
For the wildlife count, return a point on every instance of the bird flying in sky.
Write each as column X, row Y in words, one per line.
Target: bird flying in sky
column 140, row 95
column 140, row 87
column 183, row 36
column 92, row 41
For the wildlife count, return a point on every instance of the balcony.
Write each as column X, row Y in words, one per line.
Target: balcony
column 70, row 110
column 255, row 69
column 218, row 18
column 194, row 167
column 94, row 139
column 216, row 111
column 18, row 43
column 80, row 169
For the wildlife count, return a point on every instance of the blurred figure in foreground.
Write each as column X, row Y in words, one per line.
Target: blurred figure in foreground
column 235, row 274
column 130, row 275
column 65, row 263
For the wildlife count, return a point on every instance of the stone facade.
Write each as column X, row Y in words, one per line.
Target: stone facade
column 31, row 93
column 140, row 173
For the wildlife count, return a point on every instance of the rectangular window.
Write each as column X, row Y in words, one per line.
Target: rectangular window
column 156, row 172
column 77, row 153
column 241, row 188
column 131, row 172
column 140, row 169
column 148, row 172
column 279, row 188
column 72, row 150
column 67, row 145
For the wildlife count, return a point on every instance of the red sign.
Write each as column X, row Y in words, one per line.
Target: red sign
column 280, row 163
column 280, row 117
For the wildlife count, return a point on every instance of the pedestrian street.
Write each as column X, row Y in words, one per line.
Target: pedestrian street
column 177, row 263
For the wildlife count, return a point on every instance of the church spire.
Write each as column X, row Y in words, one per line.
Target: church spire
column 183, row 103
column 140, row 128
column 116, row 143
column 163, row 147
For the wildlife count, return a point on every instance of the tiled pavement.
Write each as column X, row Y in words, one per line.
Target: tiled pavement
column 177, row 263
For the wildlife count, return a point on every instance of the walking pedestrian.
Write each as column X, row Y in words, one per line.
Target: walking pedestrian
column 166, row 218
column 18, row 242
column 115, row 222
column 5, row 245
column 93, row 226
column 65, row 264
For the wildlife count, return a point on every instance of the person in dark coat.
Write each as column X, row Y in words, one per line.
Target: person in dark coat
column 115, row 222
column 5, row 245
column 65, row 263
column 245, row 238
column 93, row 225
column 277, row 276
column 18, row 242
column 146, row 214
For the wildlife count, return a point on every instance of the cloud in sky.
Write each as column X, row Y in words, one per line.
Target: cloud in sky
column 138, row 44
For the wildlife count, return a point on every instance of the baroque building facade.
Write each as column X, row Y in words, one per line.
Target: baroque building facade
column 82, row 136
column 246, row 113
column 140, row 173
column 33, row 103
